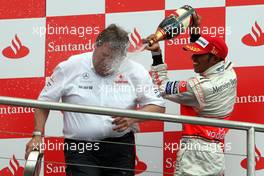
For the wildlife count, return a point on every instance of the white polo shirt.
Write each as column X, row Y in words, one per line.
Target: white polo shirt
column 75, row 81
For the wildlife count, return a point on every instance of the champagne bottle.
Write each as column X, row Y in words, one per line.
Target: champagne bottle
column 174, row 24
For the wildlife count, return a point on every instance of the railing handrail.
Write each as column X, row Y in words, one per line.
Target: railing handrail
column 130, row 113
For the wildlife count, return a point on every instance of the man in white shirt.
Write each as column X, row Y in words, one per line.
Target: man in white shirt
column 101, row 78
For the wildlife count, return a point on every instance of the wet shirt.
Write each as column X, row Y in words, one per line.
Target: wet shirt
column 75, row 81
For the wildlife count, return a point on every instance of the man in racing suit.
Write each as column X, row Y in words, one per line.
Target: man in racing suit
column 211, row 94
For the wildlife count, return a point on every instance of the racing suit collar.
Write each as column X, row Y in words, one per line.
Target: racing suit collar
column 215, row 69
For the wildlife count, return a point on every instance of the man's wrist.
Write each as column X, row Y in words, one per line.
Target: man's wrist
column 157, row 57
column 37, row 133
column 136, row 121
column 156, row 53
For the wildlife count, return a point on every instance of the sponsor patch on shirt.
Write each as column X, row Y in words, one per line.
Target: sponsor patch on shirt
column 84, row 77
column 176, row 87
column 50, row 82
column 182, row 86
column 157, row 92
column 85, row 87
column 120, row 79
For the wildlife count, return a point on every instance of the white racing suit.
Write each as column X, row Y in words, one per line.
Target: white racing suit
column 212, row 94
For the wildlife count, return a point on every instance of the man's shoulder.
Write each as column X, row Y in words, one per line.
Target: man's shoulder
column 135, row 66
column 83, row 57
column 198, row 80
column 76, row 60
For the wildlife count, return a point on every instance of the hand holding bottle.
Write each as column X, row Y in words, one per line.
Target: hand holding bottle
column 196, row 23
column 155, row 47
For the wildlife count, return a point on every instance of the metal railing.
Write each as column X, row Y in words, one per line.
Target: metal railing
column 251, row 128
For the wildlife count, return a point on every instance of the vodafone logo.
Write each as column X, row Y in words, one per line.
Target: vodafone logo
column 14, row 169
column 140, row 166
column 256, row 38
column 136, row 43
column 16, row 50
column 258, row 159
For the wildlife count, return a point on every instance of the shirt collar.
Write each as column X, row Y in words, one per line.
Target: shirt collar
column 91, row 64
column 215, row 69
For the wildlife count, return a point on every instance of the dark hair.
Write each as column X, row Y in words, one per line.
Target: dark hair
column 115, row 36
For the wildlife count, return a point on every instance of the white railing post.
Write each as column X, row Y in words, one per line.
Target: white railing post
column 251, row 152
